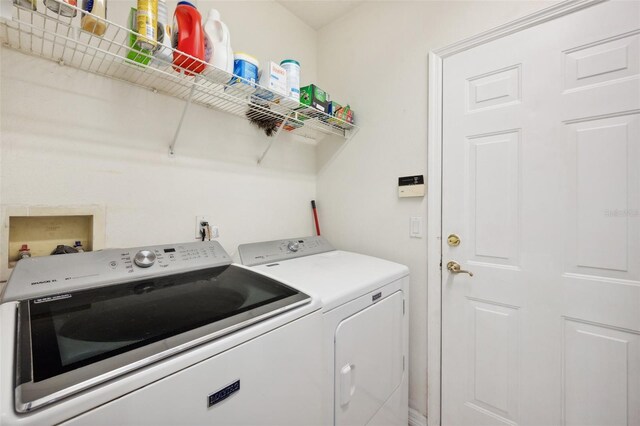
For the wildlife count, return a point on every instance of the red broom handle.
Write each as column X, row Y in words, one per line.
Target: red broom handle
column 315, row 216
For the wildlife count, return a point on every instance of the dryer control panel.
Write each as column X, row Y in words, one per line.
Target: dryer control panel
column 274, row 251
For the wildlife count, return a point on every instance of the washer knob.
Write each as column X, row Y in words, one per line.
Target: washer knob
column 293, row 246
column 144, row 258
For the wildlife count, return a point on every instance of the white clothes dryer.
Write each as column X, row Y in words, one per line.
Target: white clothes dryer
column 365, row 325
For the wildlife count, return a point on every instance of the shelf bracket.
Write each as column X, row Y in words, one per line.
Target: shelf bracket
column 273, row 139
column 184, row 113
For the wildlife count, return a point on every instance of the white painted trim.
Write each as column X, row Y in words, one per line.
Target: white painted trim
column 434, row 238
column 434, row 184
column 416, row 419
column 536, row 18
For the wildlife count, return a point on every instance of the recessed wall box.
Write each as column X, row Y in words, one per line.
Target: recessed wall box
column 411, row 186
column 42, row 228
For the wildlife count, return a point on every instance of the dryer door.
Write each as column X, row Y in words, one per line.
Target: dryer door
column 369, row 360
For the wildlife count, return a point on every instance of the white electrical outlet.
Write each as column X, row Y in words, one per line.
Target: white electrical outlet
column 199, row 220
column 215, row 231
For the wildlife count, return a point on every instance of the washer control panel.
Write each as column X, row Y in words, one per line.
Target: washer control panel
column 274, row 251
column 169, row 256
column 37, row 276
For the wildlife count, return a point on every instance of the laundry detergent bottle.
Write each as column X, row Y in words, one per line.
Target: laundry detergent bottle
column 188, row 38
column 218, row 43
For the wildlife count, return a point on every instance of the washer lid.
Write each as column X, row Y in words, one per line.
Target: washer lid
column 68, row 342
column 336, row 277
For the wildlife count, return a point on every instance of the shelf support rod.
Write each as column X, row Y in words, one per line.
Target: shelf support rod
column 184, row 113
column 273, row 139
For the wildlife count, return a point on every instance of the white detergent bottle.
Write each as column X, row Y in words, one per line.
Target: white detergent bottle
column 218, row 50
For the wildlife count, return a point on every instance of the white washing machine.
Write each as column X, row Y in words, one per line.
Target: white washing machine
column 163, row 335
column 365, row 325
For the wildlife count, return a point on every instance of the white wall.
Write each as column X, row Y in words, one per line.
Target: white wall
column 376, row 59
column 70, row 138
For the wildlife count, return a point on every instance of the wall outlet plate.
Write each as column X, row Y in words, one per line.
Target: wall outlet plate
column 215, row 231
column 199, row 220
column 411, row 186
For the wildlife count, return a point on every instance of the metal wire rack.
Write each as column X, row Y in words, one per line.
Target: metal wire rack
column 53, row 36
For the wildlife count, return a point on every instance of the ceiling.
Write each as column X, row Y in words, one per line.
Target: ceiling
column 318, row 13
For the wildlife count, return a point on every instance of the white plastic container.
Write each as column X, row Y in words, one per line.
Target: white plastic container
column 293, row 79
column 274, row 78
column 61, row 7
column 246, row 67
column 30, row 4
column 217, row 43
column 92, row 23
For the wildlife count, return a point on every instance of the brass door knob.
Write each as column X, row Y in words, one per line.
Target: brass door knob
column 454, row 268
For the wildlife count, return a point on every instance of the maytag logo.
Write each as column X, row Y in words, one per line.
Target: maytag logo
column 224, row 393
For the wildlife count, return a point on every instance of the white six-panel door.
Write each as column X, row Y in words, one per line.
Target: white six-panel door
column 541, row 182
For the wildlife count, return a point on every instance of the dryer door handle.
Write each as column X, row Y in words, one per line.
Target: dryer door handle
column 347, row 383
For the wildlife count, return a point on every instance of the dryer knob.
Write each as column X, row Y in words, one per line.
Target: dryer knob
column 293, row 246
column 144, row 258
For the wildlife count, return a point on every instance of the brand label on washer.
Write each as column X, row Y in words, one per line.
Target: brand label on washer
column 52, row 298
column 224, row 393
column 44, row 282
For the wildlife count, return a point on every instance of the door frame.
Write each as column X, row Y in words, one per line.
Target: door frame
column 434, row 183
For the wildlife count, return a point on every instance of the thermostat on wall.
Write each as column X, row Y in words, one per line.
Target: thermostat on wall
column 411, row 186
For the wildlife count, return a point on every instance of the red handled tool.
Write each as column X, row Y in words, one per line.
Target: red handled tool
column 315, row 216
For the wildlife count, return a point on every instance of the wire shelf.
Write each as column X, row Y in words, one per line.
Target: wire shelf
column 59, row 38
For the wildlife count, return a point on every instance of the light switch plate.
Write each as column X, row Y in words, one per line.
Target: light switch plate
column 416, row 226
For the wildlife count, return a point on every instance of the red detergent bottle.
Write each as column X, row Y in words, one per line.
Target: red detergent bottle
column 188, row 38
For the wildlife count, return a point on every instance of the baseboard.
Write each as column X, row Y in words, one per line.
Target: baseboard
column 416, row 419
